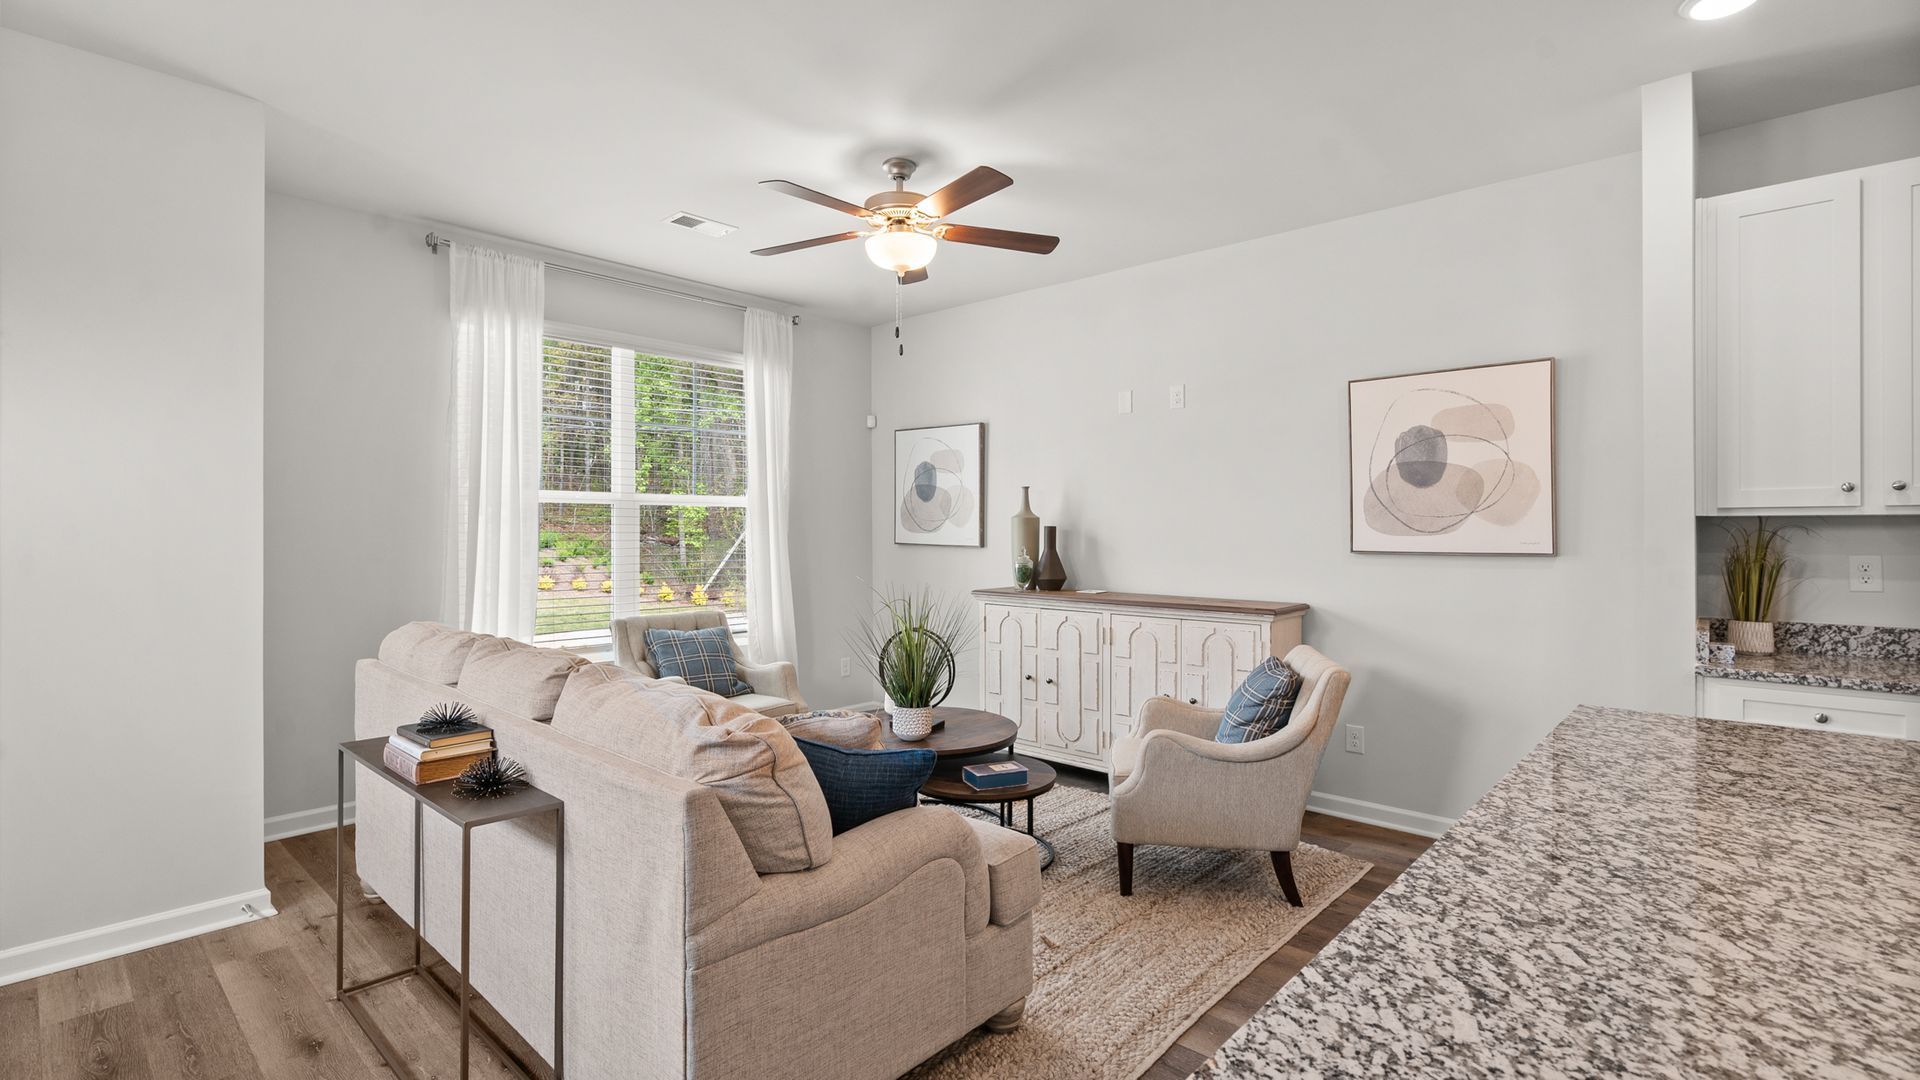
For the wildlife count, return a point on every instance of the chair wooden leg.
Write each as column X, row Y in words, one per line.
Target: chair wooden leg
column 1126, row 869
column 1283, row 869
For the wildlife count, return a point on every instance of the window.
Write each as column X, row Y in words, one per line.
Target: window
column 643, row 478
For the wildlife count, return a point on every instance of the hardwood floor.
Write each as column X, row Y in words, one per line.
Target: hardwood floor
column 256, row 1000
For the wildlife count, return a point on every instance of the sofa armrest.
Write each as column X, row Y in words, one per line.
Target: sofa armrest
column 867, row 862
column 778, row 679
column 1167, row 714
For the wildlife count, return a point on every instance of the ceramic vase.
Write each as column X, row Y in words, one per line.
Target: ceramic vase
column 1753, row 638
column 1026, row 536
column 912, row 725
column 1050, row 574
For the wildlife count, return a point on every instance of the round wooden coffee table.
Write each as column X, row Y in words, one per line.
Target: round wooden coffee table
column 947, row 785
column 960, row 733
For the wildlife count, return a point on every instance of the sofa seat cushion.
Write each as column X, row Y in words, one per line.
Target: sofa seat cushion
column 1013, row 871
column 522, row 679
column 861, row 785
column 763, row 781
column 430, row 651
column 703, row 657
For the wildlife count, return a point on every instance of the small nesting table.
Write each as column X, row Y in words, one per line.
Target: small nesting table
column 469, row 814
column 968, row 737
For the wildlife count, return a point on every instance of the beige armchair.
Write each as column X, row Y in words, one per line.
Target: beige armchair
column 1172, row 784
column 776, row 686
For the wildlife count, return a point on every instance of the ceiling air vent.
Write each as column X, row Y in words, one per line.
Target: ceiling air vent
column 705, row 226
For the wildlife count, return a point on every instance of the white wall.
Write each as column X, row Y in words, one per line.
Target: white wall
column 1461, row 664
column 358, row 347
column 1850, row 135
column 358, row 355
column 1818, row 574
column 130, row 506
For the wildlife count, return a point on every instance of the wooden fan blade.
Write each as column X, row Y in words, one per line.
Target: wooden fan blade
column 815, row 242
column 1032, row 243
column 969, row 189
column 812, row 196
column 912, row 277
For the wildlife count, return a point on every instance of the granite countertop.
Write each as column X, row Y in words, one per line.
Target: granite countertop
column 1879, row 675
column 1643, row 895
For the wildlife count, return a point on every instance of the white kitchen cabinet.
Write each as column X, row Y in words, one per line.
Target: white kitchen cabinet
column 1851, row 712
column 1805, row 371
column 1074, row 669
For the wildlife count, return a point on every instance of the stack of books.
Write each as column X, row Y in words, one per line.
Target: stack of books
column 427, row 759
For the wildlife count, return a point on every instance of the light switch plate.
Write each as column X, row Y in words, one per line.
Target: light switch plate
column 1863, row 573
column 1126, row 401
column 1177, row 396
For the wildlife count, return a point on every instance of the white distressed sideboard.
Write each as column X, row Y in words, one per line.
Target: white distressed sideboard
column 1074, row 668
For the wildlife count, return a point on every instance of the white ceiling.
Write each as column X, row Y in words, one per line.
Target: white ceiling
column 1134, row 130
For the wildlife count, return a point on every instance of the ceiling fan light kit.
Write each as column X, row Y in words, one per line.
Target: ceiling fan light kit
column 904, row 228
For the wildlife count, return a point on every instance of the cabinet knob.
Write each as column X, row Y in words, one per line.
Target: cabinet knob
column 1049, row 682
column 1846, row 485
column 1193, row 701
column 1821, row 718
column 1899, row 485
column 1029, row 678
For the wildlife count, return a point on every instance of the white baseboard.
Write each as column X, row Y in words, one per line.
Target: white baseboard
column 301, row 822
column 1387, row 817
column 87, row 946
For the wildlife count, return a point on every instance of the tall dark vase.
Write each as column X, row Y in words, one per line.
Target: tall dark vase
column 1050, row 574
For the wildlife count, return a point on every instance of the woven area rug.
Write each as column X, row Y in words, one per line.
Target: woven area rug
column 1117, row 979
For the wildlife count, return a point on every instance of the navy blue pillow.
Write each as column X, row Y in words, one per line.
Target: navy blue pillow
column 1260, row 706
column 861, row 785
column 703, row 657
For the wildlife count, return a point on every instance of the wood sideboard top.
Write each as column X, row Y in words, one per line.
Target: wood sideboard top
column 1146, row 600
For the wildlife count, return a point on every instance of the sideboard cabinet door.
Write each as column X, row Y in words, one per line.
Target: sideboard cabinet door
column 1009, row 665
column 1145, row 665
column 1215, row 658
column 1069, row 706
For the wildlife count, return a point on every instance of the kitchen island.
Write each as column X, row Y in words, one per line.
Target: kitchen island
column 1643, row 895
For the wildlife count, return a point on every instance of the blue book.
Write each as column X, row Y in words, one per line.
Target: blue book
column 996, row 774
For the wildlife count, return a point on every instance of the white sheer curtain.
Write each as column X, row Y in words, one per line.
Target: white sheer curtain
column 498, row 303
column 769, row 357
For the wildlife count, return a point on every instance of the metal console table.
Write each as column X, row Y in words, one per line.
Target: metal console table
column 469, row 814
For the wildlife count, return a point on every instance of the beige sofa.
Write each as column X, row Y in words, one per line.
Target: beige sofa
column 681, row 960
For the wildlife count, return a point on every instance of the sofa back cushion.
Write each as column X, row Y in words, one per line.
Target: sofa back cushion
column 522, row 679
column 763, row 781
column 845, row 728
column 430, row 651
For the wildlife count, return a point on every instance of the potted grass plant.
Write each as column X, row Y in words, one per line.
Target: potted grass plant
column 911, row 643
column 1755, row 560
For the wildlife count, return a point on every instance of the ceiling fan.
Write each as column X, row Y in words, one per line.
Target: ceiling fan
column 904, row 228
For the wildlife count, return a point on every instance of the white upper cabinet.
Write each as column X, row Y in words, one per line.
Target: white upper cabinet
column 1806, row 352
column 1784, row 345
column 1895, row 471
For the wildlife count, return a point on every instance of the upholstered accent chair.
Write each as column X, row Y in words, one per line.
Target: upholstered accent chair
column 776, row 686
column 1172, row 784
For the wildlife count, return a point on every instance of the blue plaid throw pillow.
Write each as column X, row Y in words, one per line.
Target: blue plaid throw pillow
column 703, row 657
column 861, row 785
column 1262, row 705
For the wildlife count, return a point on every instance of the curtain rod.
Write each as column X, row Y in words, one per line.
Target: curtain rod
column 435, row 242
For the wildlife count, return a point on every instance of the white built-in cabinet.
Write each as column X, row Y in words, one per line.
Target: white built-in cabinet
column 1073, row 669
column 1806, row 400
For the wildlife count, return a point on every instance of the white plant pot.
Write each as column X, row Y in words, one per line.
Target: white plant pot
column 912, row 725
column 1752, row 638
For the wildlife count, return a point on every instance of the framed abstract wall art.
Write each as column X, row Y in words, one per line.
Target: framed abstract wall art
column 938, row 481
column 1457, row 462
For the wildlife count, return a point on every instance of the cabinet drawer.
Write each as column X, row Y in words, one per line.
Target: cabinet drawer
column 1885, row 715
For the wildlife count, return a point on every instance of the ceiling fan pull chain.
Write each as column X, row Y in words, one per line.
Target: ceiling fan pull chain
column 897, row 287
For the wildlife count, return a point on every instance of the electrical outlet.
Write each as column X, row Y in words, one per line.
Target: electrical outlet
column 1863, row 573
column 1126, row 401
column 1177, row 396
column 846, row 666
column 1356, row 739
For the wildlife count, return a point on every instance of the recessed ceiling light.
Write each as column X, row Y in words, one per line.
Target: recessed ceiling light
column 1705, row 10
